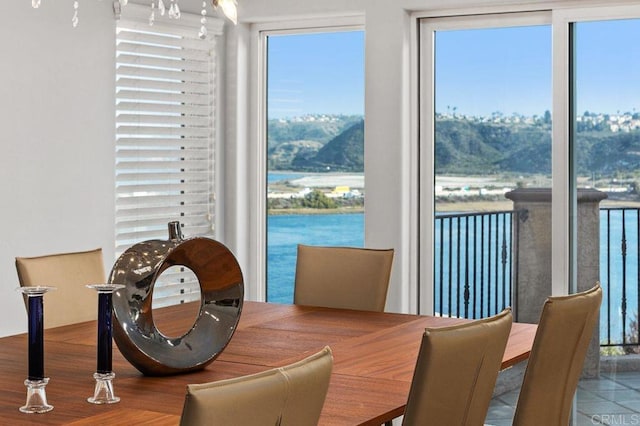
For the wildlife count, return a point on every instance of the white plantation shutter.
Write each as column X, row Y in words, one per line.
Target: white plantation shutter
column 165, row 97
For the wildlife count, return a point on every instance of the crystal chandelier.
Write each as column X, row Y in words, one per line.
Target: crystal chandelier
column 228, row 7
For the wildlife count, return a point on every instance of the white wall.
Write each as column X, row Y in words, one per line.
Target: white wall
column 56, row 86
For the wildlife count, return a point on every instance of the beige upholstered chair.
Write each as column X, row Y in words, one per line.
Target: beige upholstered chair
column 71, row 302
column 456, row 372
column 342, row 277
column 557, row 356
column 291, row 395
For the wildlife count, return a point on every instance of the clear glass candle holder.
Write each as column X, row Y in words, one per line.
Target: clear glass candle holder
column 103, row 392
column 36, row 382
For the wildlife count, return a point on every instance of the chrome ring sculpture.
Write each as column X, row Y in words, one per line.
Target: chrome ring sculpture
column 222, row 292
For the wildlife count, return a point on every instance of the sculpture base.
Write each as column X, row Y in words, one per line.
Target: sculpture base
column 36, row 397
column 103, row 393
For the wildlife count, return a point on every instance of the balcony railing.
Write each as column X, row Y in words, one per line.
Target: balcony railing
column 620, row 276
column 475, row 258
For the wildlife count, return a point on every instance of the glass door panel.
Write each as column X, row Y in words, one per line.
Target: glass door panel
column 492, row 170
column 315, row 142
column 605, row 133
column 470, row 63
column 486, row 126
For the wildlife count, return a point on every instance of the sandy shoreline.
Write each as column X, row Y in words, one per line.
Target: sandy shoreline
column 357, row 180
column 330, row 180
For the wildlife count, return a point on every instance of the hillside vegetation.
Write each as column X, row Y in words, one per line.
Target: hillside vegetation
column 293, row 143
column 464, row 147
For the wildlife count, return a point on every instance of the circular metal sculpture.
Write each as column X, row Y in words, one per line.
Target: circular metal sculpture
column 222, row 292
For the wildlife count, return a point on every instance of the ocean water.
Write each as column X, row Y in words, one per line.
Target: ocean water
column 285, row 232
column 274, row 177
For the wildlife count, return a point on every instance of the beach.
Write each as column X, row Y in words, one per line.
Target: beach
column 330, row 180
column 356, row 180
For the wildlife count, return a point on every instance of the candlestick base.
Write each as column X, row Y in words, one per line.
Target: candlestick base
column 36, row 397
column 103, row 393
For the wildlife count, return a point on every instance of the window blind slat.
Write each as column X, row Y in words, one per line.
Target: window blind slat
column 140, row 234
column 160, row 234
column 123, row 58
column 173, row 152
column 159, row 222
column 164, row 188
column 177, row 299
column 177, row 98
column 159, row 39
column 124, row 178
column 160, row 200
column 170, row 166
column 162, row 131
column 128, row 143
column 162, row 86
column 164, row 119
column 127, row 213
column 150, row 73
column 141, row 107
column 182, row 290
column 179, row 54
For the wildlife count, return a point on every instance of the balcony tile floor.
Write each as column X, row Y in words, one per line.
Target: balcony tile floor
column 613, row 399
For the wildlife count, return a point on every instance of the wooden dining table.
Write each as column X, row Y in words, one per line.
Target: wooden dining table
column 374, row 358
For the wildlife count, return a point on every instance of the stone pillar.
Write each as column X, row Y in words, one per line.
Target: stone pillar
column 588, row 261
column 533, row 237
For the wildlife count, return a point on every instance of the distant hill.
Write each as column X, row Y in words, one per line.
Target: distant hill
column 345, row 152
column 478, row 148
column 475, row 147
column 608, row 153
column 303, row 136
column 282, row 156
column 465, row 146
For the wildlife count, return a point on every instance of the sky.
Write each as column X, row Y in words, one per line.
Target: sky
column 319, row 73
column 482, row 71
column 478, row 72
column 608, row 66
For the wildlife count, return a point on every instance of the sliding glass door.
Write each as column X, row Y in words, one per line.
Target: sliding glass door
column 606, row 124
column 315, row 147
column 605, row 134
column 487, row 111
column 557, row 148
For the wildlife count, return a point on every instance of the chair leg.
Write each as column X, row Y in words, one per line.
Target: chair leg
column 389, row 423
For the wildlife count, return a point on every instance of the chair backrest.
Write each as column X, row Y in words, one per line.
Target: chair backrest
column 291, row 395
column 456, row 372
column 342, row 277
column 557, row 356
column 71, row 302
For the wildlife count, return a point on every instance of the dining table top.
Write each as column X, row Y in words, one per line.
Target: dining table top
column 374, row 358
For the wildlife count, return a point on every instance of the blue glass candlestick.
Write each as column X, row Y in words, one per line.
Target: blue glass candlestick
column 36, row 382
column 103, row 393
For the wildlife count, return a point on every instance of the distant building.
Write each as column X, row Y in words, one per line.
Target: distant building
column 344, row 191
